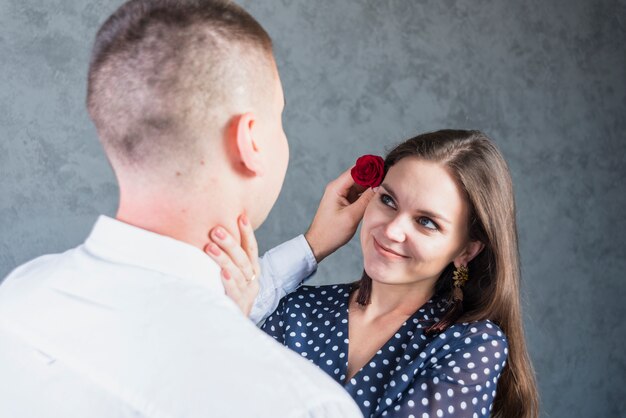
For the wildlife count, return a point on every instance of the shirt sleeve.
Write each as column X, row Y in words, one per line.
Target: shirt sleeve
column 283, row 268
column 461, row 378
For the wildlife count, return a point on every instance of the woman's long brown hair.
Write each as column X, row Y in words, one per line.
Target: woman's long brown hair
column 493, row 290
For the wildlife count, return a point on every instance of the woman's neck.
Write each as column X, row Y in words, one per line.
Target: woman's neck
column 397, row 299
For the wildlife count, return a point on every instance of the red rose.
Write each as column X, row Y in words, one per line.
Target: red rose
column 368, row 171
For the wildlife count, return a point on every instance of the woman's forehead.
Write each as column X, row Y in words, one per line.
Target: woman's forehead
column 425, row 186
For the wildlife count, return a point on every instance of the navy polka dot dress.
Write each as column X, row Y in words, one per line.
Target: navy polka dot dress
column 453, row 374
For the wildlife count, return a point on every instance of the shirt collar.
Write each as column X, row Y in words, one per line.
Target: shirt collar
column 123, row 243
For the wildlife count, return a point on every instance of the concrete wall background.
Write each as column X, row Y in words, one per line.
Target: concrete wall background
column 546, row 80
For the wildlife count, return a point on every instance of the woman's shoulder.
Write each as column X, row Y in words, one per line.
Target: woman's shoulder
column 312, row 296
column 478, row 335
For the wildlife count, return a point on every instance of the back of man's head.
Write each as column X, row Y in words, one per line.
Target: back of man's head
column 166, row 75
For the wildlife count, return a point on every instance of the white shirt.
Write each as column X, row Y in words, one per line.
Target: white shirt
column 135, row 324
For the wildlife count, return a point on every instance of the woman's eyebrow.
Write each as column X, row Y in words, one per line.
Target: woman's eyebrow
column 428, row 213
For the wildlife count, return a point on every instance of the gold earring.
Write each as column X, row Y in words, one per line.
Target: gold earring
column 461, row 275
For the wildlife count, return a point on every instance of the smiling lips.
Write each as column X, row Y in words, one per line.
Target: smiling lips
column 386, row 252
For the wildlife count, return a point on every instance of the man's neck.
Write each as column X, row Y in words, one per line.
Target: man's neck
column 189, row 222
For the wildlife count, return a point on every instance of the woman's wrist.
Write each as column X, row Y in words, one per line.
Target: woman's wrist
column 315, row 246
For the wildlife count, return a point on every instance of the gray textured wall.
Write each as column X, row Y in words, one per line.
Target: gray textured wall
column 545, row 79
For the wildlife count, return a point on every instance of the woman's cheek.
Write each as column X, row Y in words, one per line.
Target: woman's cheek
column 428, row 248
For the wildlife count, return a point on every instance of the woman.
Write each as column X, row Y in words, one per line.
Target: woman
column 434, row 327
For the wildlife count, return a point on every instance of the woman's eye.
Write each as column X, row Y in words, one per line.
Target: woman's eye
column 387, row 200
column 427, row 223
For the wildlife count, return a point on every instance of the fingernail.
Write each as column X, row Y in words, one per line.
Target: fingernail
column 214, row 249
column 220, row 233
column 226, row 274
column 244, row 219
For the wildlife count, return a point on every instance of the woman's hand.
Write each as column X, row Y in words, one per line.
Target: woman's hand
column 338, row 215
column 239, row 263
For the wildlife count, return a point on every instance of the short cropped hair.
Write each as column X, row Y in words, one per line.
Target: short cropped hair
column 159, row 68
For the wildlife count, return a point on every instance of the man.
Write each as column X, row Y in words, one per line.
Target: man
column 187, row 102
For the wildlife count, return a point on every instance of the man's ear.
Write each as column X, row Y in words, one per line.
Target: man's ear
column 472, row 249
column 245, row 145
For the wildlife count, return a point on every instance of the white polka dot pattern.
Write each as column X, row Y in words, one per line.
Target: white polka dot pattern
column 453, row 374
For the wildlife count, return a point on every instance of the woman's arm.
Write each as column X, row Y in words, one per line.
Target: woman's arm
column 283, row 268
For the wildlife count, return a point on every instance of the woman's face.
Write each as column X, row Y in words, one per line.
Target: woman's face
column 416, row 224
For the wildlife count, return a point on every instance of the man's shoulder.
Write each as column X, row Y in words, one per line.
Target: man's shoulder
column 34, row 265
column 36, row 269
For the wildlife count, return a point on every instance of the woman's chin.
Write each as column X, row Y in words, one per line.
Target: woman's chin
column 381, row 273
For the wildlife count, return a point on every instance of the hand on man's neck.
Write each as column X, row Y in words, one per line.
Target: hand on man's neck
column 187, row 217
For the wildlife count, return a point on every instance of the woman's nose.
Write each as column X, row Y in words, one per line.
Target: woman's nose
column 395, row 229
